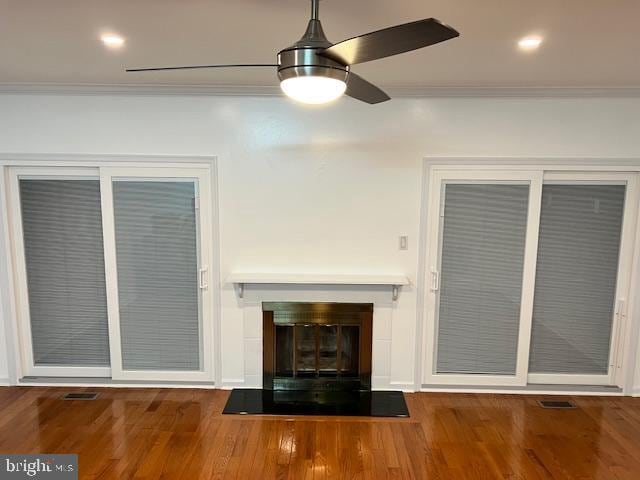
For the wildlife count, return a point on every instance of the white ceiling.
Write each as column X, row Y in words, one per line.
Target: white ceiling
column 587, row 43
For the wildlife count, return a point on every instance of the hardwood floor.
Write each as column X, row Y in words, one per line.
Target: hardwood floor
column 181, row 434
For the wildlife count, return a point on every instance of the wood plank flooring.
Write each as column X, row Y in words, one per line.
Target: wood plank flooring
column 180, row 434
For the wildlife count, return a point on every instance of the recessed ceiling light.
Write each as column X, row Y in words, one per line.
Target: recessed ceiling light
column 112, row 40
column 529, row 43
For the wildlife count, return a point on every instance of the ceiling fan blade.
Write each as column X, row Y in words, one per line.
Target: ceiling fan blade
column 192, row 67
column 389, row 41
column 360, row 89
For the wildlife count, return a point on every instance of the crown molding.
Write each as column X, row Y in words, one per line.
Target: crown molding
column 273, row 90
column 136, row 89
column 497, row 92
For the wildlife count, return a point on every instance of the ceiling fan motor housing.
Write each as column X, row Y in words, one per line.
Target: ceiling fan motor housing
column 302, row 59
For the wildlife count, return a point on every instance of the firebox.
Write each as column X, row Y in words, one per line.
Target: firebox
column 317, row 346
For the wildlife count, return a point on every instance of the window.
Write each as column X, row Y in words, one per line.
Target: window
column 63, row 252
column 112, row 271
column 157, row 263
column 483, row 238
column 576, row 280
column 528, row 272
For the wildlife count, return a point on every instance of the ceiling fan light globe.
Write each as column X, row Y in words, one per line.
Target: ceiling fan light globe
column 312, row 89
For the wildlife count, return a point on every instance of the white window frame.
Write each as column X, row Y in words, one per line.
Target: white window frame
column 627, row 353
column 505, row 176
column 52, row 163
column 620, row 322
column 201, row 176
column 20, row 270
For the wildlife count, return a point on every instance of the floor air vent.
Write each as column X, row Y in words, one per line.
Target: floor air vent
column 79, row 396
column 556, row 404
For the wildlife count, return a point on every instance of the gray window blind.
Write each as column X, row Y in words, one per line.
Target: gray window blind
column 577, row 268
column 157, row 261
column 62, row 225
column 482, row 254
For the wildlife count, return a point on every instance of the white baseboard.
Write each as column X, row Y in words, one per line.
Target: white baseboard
column 228, row 384
column 405, row 387
column 240, row 383
column 118, row 385
column 635, row 391
column 523, row 391
column 66, row 382
column 232, row 383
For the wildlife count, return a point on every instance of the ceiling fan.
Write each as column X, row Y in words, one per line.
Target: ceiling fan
column 315, row 71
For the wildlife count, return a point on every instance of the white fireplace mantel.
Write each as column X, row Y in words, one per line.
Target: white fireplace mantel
column 240, row 279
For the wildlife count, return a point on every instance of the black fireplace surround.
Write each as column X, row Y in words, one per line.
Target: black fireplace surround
column 317, row 346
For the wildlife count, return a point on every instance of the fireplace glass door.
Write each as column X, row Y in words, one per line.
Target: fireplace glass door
column 315, row 347
column 317, row 351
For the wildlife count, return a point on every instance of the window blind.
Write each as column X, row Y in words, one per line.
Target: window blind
column 157, row 261
column 62, row 228
column 482, row 254
column 577, row 268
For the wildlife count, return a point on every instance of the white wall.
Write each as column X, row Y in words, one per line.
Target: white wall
column 4, row 300
column 636, row 380
column 4, row 368
column 323, row 189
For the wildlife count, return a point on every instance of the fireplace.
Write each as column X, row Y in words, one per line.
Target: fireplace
column 317, row 346
column 317, row 360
